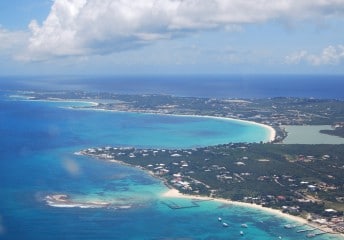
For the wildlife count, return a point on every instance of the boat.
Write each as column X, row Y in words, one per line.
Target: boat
column 289, row 226
column 220, row 219
column 310, row 235
column 241, row 233
column 244, row 225
column 225, row 224
column 305, row 230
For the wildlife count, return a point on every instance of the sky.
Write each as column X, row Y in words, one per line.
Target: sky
column 116, row 37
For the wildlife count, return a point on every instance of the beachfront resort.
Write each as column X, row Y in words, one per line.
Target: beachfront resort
column 267, row 175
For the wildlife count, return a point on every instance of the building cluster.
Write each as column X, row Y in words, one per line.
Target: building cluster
column 332, row 220
column 178, row 170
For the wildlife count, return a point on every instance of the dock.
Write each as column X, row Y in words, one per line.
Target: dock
column 173, row 205
column 312, row 232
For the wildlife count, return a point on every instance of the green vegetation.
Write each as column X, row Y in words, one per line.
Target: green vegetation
column 298, row 179
column 272, row 111
column 295, row 178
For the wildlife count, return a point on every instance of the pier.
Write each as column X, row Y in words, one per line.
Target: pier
column 173, row 205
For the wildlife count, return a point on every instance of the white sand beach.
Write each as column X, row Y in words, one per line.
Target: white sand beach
column 272, row 131
column 271, row 137
column 174, row 193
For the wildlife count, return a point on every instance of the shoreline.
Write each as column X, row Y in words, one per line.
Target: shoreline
column 271, row 135
column 175, row 193
column 90, row 103
column 56, row 100
column 271, row 131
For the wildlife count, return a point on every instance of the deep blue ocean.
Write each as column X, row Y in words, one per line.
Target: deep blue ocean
column 220, row 86
column 38, row 141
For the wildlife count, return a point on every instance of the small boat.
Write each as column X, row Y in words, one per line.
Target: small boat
column 310, row 235
column 225, row 224
column 244, row 225
column 241, row 233
column 220, row 219
column 289, row 226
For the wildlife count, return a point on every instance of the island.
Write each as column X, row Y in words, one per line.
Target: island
column 304, row 180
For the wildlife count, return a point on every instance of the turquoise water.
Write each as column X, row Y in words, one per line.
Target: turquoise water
column 38, row 140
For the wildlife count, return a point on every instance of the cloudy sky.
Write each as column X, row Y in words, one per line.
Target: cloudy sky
column 171, row 36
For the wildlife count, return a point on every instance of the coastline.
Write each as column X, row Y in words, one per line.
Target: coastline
column 271, row 131
column 89, row 103
column 56, row 100
column 85, row 191
column 174, row 193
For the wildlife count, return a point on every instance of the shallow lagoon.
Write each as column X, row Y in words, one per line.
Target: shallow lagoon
column 310, row 135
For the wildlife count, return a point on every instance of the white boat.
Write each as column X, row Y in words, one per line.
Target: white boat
column 244, row 225
column 220, row 219
column 289, row 226
column 310, row 235
column 241, row 233
column 225, row 224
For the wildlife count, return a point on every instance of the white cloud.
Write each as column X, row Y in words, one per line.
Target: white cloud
column 82, row 27
column 331, row 55
column 10, row 41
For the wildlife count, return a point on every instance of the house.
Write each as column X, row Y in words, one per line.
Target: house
column 312, row 188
